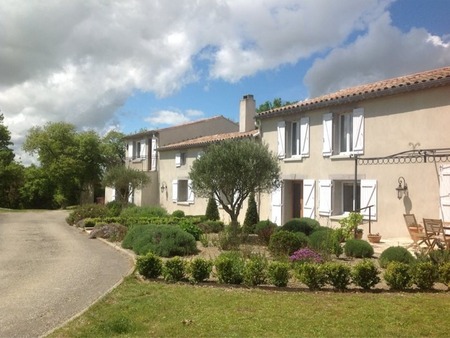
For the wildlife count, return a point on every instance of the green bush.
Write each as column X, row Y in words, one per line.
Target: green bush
column 149, row 266
column 255, row 270
column 251, row 215
column 397, row 275
column 424, row 275
column 395, row 254
column 86, row 211
column 278, row 274
column 200, row 269
column 365, row 274
column 212, row 211
column 147, row 211
column 337, row 274
column 325, row 241
column 305, row 225
column 285, row 243
column 264, row 230
column 191, row 228
column 358, row 248
column 162, row 240
column 178, row 213
column 209, row 227
column 174, row 270
column 229, row 239
column 114, row 208
column 440, row 257
column 444, row 273
column 230, row 267
column 311, row 274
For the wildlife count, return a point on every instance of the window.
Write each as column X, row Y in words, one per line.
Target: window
column 336, row 197
column 137, row 150
column 182, row 192
column 343, row 133
column 180, row 159
column 293, row 138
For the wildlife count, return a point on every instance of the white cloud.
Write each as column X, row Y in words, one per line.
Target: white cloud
column 382, row 53
column 164, row 118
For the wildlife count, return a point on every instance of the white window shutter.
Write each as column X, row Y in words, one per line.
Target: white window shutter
column 327, row 149
column 191, row 196
column 304, row 134
column 277, row 205
column 309, row 198
column 113, row 197
column 174, row 190
column 130, row 150
column 153, row 163
column 281, row 139
column 358, row 131
column 369, row 197
column 444, row 191
column 325, row 191
column 178, row 160
column 143, row 149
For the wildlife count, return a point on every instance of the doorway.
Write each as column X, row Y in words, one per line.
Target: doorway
column 297, row 199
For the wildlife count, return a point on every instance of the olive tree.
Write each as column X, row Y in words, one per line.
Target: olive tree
column 232, row 170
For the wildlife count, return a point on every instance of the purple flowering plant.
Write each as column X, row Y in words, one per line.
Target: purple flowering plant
column 306, row 255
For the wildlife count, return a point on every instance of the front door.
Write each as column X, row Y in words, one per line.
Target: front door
column 297, row 199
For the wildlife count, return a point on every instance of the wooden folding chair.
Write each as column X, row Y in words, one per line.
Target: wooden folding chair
column 416, row 231
column 434, row 230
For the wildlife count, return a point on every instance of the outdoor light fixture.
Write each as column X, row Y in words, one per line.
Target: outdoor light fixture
column 163, row 187
column 402, row 187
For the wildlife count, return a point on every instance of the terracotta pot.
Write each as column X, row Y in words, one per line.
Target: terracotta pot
column 374, row 238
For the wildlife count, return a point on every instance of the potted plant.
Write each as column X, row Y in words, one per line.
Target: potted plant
column 374, row 238
column 350, row 224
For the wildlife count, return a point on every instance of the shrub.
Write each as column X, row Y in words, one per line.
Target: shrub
column 365, row 274
column 86, row 211
column 229, row 239
column 440, row 257
column 358, row 248
column 278, row 274
column 285, row 243
column 395, row 254
column 178, row 213
column 397, row 275
column 326, row 241
column 212, row 212
column 305, row 255
column 162, row 240
column 255, row 270
column 209, row 227
column 112, row 232
column 114, row 208
column 200, row 269
column 230, row 267
column 148, row 211
column 305, row 225
column 444, row 273
column 251, row 215
column 149, row 266
column 191, row 228
column 264, row 230
column 338, row 275
column 174, row 270
column 311, row 274
column 424, row 275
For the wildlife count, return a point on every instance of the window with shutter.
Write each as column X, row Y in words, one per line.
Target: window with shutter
column 153, row 154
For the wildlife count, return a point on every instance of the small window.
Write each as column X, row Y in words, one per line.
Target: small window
column 345, row 132
column 136, row 150
column 347, row 197
column 293, row 138
column 180, row 159
column 182, row 191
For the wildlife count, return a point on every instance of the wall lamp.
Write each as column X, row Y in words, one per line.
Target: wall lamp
column 402, row 188
column 163, row 187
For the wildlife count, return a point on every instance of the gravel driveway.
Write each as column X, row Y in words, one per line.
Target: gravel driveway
column 50, row 271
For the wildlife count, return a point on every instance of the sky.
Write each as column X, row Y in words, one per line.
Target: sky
column 147, row 64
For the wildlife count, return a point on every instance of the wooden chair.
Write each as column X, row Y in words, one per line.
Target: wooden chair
column 434, row 230
column 416, row 231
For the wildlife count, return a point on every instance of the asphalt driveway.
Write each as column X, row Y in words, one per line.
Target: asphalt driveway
column 50, row 271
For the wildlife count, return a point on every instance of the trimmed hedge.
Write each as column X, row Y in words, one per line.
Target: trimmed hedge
column 395, row 254
column 305, row 225
column 285, row 243
column 358, row 248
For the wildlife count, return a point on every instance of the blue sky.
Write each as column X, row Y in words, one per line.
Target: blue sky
column 132, row 65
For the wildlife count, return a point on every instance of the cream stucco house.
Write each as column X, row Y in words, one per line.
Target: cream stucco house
column 318, row 139
column 142, row 154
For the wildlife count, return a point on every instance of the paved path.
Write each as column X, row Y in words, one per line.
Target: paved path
column 50, row 271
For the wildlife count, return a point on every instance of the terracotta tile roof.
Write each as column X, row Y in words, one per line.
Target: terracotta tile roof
column 202, row 141
column 418, row 81
column 153, row 131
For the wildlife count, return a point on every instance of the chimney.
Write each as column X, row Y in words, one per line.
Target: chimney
column 247, row 112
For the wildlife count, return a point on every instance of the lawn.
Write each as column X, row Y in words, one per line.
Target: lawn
column 155, row 309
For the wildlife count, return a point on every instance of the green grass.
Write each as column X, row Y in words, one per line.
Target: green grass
column 154, row 309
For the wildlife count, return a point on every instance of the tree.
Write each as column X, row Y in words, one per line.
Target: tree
column 251, row 216
column 233, row 169
column 277, row 103
column 125, row 181
column 113, row 149
column 212, row 212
